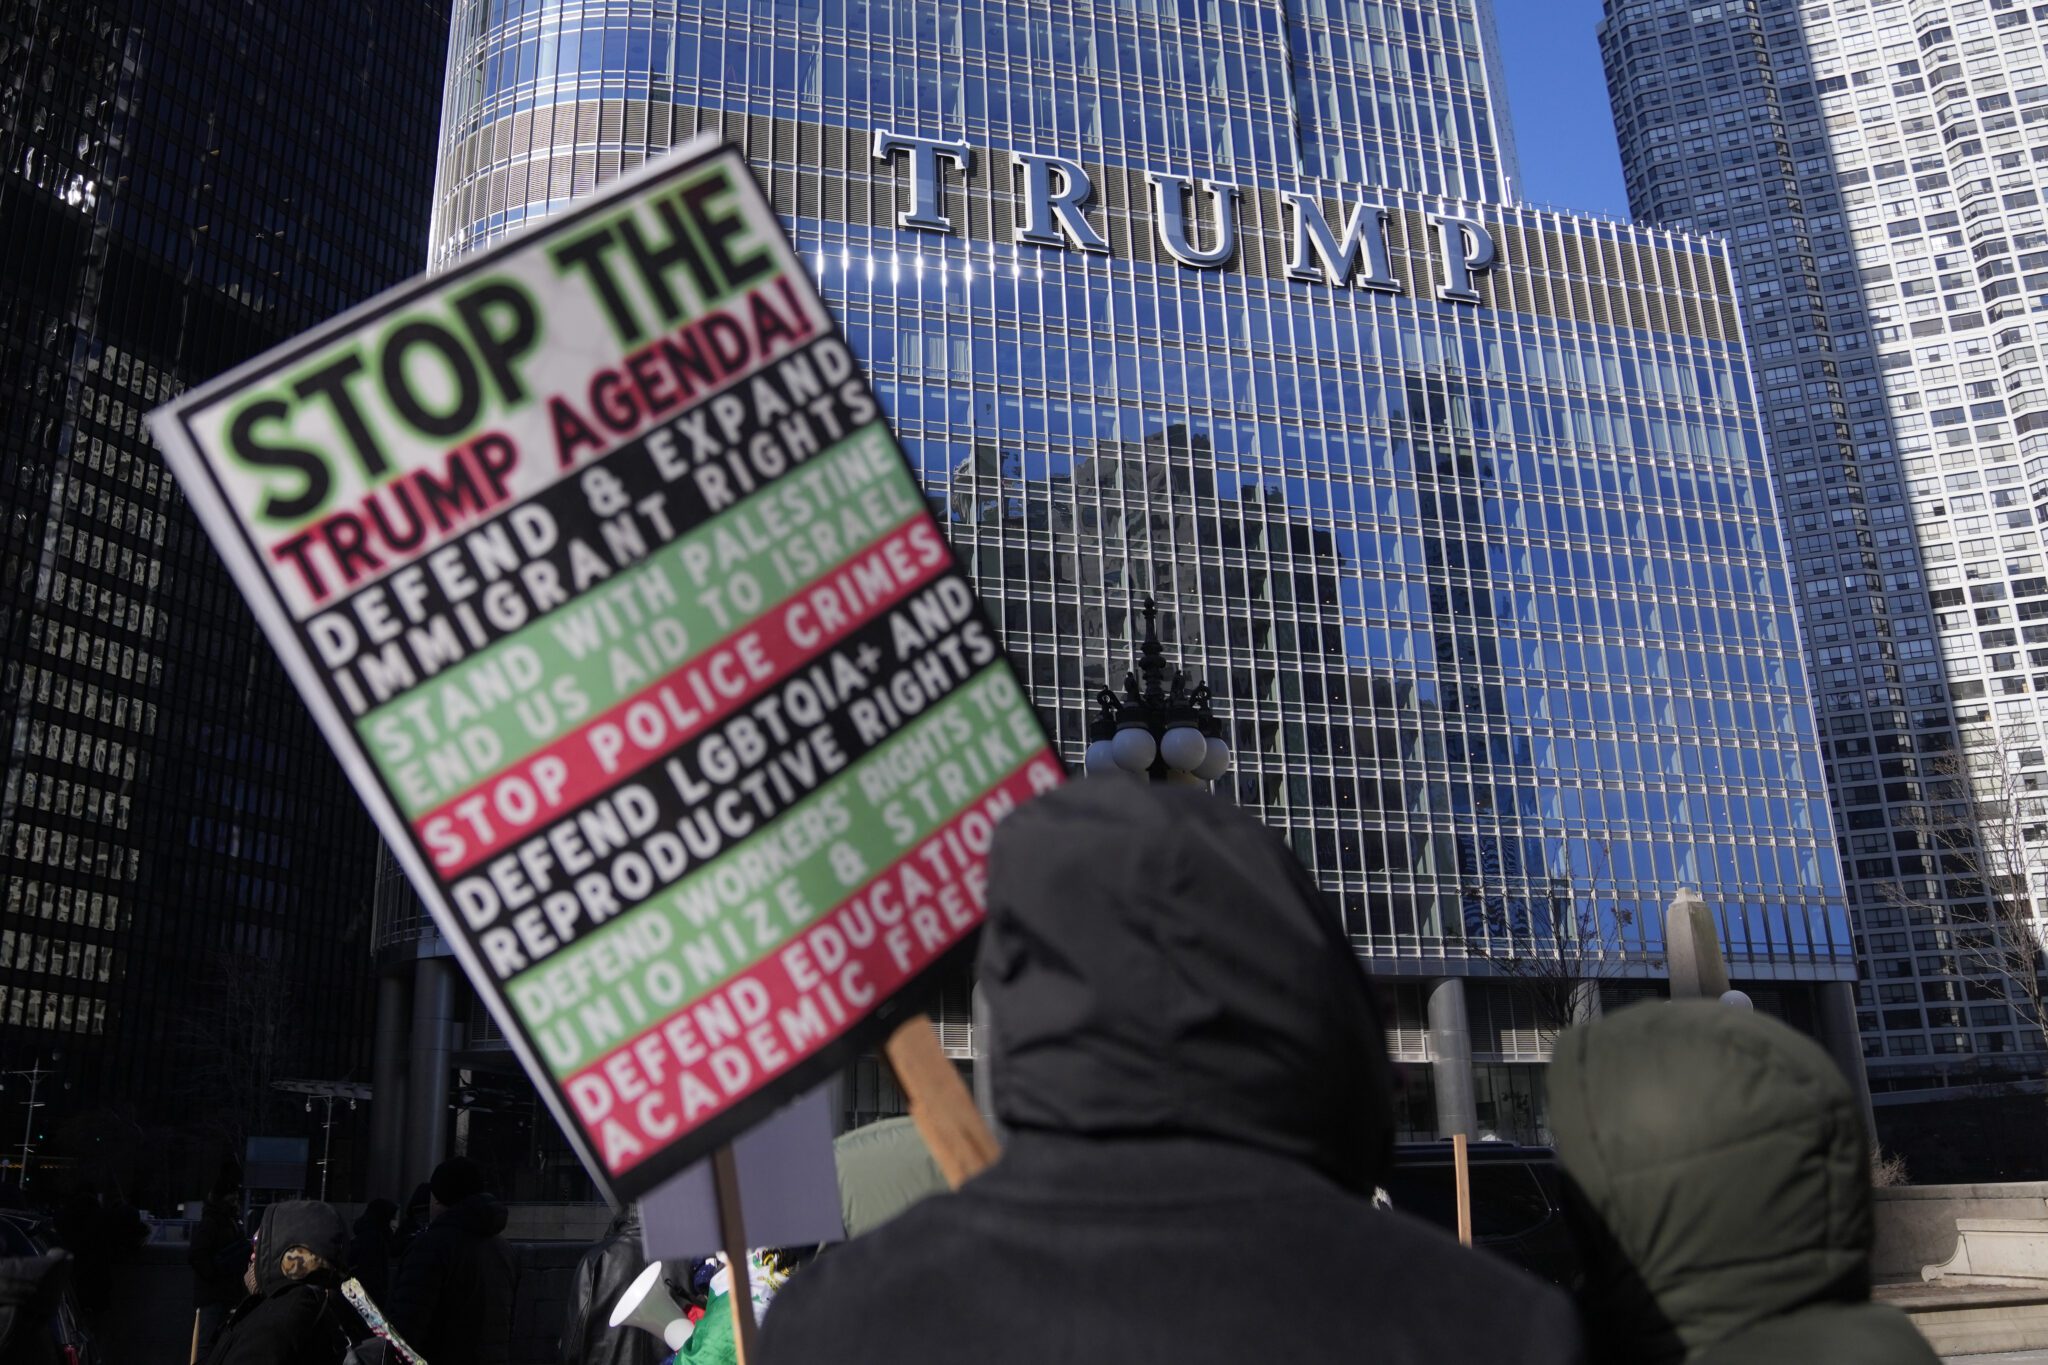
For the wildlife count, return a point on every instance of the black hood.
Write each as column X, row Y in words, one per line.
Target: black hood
column 375, row 1219
column 480, row 1215
column 1158, row 963
column 304, row 1223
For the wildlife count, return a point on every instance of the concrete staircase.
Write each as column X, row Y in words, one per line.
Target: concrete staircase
column 1965, row 1320
column 1990, row 1293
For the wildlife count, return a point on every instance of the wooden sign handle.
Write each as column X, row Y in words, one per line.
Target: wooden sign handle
column 940, row 1106
column 1461, row 1161
column 732, row 1232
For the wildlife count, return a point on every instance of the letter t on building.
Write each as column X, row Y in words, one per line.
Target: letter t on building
column 927, row 210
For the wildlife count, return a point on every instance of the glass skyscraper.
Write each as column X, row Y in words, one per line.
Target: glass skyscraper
column 1460, row 507
column 1880, row 167
column 183, row 868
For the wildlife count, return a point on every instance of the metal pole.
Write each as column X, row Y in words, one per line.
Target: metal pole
column 326, row 1148
column 28, row 1127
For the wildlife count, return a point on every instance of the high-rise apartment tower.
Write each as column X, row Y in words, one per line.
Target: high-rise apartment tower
column 1879, row 168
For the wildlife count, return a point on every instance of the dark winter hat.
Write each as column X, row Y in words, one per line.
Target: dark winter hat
column 456, row 1179
column 1157, row 962
column 306, row 1223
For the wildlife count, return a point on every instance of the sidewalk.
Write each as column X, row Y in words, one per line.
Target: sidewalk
column 2010, row 1358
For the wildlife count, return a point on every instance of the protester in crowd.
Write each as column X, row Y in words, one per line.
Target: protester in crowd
column 83, row 1228
column 370, row 1247
column 452, row 1295
column 601, row 1276
column 701, row 1276
column 31, row 1289
column 1718, row 1176
column 419, row 1211
column 218, row 1255
column 296, row 1314
column 1190, row 1066
column 711, row 1340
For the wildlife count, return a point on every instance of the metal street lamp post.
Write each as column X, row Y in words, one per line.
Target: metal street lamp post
column 328, row 1092
column 1161, row 729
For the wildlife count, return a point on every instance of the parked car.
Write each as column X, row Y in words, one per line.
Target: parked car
column 25, row 1234
column 1516, row 1208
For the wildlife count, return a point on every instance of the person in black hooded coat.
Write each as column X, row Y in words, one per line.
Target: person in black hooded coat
column 219, row 1255
column 451, row 1297
column 1190, row 1065
column 297, row 1315
column 370, row 1248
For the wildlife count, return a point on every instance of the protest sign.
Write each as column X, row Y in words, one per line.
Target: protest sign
column 788, row 1182
column 611, row 588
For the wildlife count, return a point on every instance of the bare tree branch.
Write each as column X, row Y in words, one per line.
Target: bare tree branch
column 237, row 1034
column 1984, row 822
column 1551, row 948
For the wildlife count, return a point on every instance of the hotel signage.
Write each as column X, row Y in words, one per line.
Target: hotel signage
column 1054, row 193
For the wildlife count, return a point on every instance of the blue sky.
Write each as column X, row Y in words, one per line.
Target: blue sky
column 1557, row 96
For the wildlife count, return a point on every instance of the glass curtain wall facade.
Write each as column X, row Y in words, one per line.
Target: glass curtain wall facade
column 182, row 865
column 1473, row 537
column 1879, row 165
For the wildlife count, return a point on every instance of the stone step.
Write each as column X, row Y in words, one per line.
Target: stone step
column 1973, row 1320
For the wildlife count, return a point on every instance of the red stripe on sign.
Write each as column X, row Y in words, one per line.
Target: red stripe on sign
column 720, row 1049
column 650, row 724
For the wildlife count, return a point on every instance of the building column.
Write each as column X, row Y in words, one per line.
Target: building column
column 1835, row 1023
column 1692, row 949
column 387, row 1088
column 433, row 1042
column 1450, row 1050
column 1586, row 1003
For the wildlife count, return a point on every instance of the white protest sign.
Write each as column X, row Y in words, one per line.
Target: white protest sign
column 611, row 588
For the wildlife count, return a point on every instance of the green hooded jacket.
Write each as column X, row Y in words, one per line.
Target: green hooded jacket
column 1718, row 1172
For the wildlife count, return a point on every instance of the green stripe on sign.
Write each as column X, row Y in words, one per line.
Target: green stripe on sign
column 636, row 626
column 754, row 896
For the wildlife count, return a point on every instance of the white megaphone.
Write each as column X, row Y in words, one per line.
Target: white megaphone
column 648, row 1305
